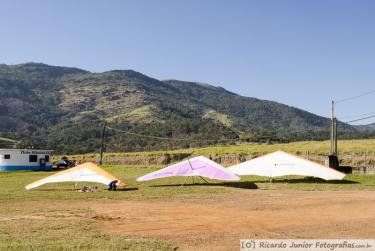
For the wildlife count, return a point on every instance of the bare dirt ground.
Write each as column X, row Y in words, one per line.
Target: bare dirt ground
column 220, row 222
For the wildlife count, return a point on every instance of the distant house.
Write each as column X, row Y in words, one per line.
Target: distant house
column 25, row 159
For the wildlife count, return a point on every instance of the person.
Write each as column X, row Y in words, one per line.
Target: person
column 112, row 185
column 82, row 190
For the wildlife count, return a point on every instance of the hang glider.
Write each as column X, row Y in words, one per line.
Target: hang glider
column 281, row 163
column 197, row 166
column 87, row 172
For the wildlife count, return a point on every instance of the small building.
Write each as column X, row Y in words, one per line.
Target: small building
column 25, row 159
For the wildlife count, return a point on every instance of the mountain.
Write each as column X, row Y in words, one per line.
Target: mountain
column 64, row 108
column 364, row 128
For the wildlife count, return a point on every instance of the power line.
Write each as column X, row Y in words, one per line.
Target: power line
column 204, row 140
column 307, row 130
column 169, row 138
column 355, row 97
column 373, row 116
column 358, row 116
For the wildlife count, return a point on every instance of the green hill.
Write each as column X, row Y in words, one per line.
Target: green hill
column 365, row 128
column 63, row 108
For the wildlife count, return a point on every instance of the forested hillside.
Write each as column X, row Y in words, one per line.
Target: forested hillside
column 64, row 109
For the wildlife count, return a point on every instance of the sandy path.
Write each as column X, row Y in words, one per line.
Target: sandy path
column 219, row 223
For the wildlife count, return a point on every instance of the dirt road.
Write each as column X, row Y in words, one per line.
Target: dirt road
column 220, row 222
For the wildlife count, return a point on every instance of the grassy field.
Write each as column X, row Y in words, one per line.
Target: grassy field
column 314, row 147
column 54, row 217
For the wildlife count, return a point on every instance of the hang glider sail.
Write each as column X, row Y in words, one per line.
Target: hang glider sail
column 281, row 163
column 198, row 166
column 87, row 172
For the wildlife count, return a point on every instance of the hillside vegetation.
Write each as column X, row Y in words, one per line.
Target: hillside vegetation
column 64, row 109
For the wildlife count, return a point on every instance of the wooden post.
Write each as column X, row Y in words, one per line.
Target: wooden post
column 332, row 158
column 102, row 145
column 335, row 136
column 332, row 128
column 333, row 150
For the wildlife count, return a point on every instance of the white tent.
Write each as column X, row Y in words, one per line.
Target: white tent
column 281, row 164
column 87, row 172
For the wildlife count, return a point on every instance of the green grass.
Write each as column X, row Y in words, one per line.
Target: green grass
column 47, row 218
column 50, row 218
column 13, row 184
column 58, row 234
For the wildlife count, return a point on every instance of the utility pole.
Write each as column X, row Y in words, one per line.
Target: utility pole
column 333, row 150
column 335, row 137
column 102, row 144
column 332, row 158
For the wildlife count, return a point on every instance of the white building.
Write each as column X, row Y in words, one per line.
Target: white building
column 24, row 159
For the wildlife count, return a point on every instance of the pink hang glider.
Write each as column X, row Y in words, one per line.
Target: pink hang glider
column 198, row 166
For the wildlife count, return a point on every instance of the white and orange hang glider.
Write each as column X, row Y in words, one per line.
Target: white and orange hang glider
column 87, row 172
column 281, row 163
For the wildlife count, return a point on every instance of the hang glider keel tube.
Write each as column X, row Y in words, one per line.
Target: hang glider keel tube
column 193, row 176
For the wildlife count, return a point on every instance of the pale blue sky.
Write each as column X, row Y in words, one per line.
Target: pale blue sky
column 301, row 53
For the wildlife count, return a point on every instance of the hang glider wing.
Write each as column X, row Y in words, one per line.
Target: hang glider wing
column 87, row 172
column 198, row 166
column 281, row 164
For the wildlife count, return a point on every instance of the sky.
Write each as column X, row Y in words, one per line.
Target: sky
column 303, row 53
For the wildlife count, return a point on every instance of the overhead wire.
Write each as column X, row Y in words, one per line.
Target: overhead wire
column 308, row 130
column 354, row 97
column 168, row 138
column 373, row 116
column 201, row 141
column 358, row 116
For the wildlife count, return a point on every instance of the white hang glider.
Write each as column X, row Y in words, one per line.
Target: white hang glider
column 197, row 166
column 281, row 163
column 87, row 172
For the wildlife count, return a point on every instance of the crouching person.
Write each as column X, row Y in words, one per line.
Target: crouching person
column 112, row 186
